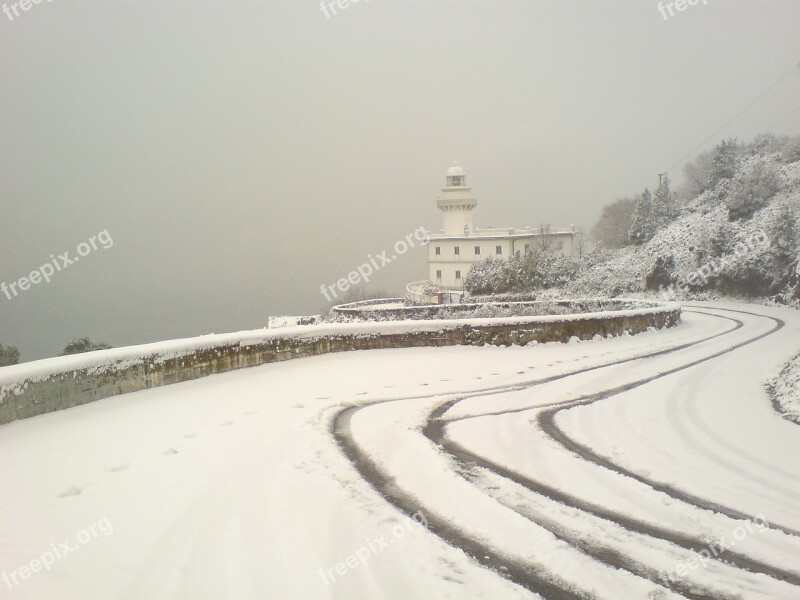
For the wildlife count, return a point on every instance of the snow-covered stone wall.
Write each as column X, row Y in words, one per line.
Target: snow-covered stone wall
column 45, row 386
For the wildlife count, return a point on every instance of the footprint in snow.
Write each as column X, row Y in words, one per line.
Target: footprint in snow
column 190, row 435
column 362, row 393
column 118, row 468
column 226, row 423
column 70, row 491
column 422, row 384
column 170, row 451
column 444, row 380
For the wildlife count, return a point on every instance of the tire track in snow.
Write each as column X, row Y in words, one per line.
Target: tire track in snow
column 546, row 421
column 435, row 431
column 532, row 577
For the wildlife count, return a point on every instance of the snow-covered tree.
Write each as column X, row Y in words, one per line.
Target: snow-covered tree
column 766, row 143
column 784, row 244
column 664, row 206
column 642, row 223
column 697, row 173
column 723, row 162
column 614, row 223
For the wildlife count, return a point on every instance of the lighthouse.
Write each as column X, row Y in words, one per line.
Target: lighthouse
column 457, row 203
column 460, row 245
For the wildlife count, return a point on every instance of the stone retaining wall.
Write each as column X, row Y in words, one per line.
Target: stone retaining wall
column 35, row 395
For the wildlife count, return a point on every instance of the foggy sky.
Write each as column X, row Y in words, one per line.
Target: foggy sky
column 241, row 154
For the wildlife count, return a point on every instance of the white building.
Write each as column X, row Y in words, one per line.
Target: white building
column 459, row 245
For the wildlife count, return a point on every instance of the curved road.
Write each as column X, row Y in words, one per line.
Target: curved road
column 495, row 472
column 645, row 467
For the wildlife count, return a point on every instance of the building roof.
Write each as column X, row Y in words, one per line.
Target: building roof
column 496, row 233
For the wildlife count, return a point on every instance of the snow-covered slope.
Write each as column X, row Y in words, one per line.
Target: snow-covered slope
column 701, row 224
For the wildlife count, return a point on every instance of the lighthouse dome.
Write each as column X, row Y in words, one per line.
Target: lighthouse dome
column 456, row 177
column 455, row 171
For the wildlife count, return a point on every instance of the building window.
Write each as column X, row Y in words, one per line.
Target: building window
column 438, row 250
column 439, row 274
column 458, row 274
column 458, row 251
column 498, row 250
column 477, row 250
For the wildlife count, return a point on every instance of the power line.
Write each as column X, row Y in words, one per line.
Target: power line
column 737, row 115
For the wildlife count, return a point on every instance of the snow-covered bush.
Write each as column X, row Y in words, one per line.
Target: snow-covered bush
column 662, row 273
column 540, row 269
column 535, row 269
column 756, row 187
column 487, row 277
column 785, row 390
column 790, row 152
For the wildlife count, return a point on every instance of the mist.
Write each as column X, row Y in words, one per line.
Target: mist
column 241, row 155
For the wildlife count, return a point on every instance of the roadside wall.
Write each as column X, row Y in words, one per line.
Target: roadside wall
column 54, row 384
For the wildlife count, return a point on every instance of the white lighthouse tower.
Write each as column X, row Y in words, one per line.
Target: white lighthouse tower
column 457, row 202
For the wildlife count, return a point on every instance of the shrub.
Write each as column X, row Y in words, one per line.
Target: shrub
column 661, row 274
column 753, row 191
column 81, row 345
column 487, row 277
column 9, row 355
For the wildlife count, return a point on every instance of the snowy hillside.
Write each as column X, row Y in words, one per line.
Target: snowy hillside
column 733, row 232
column 736, row 256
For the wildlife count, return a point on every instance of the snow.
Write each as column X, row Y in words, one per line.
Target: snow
column 232, row 486
column 785, row 390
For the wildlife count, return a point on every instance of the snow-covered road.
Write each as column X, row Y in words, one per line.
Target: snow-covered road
column 652, row 466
